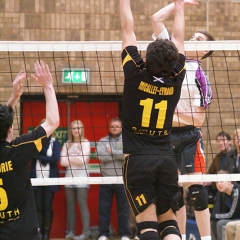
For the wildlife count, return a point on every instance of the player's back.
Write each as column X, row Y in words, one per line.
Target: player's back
column 148, row 105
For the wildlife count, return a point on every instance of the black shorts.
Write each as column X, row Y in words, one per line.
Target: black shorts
column 188, row 149
column 150, row 179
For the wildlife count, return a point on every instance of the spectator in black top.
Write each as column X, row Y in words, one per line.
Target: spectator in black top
column 151, row 92
column 226, row 206
column 17, row 206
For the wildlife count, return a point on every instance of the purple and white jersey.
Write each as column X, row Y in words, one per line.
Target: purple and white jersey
column 196, row 88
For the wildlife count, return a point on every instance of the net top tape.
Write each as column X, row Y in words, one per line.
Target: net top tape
column 68, row 46
column 119, row 180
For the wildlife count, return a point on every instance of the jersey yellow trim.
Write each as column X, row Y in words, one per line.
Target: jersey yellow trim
column 126, row 59
column 37, row 142
column 180, row 71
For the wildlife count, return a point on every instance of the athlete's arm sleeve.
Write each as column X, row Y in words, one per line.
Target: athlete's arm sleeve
column 131, row 61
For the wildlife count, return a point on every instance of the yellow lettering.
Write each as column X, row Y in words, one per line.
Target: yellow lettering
column 3, row 167
column 10, row 166
column 16, row 212
column 6, row 166
column 9, row 213
column 151, row 132
column 166, row 91
column 2, row 215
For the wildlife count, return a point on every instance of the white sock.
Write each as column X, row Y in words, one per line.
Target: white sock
column 206, row 238
column 183, row 236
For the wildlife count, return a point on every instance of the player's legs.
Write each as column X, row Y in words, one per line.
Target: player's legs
column 181, row 218
column 188, row 148
column 201, row 210
column 198, row 195
column 181, row 214
column 168, row 228
column 168, row 200
column 139, row 176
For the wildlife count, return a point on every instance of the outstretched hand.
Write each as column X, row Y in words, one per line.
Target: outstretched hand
column 42, row 74
column 17, row 84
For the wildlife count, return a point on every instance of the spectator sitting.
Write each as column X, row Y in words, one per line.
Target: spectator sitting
column 221, row 161
column 226, row 206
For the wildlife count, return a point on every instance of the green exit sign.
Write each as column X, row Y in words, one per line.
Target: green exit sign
column 75, row 75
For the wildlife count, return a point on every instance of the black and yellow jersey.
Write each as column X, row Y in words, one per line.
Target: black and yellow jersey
column 149, row 103
column 18, row 217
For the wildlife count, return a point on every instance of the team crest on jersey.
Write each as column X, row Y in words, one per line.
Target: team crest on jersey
column 156, row 79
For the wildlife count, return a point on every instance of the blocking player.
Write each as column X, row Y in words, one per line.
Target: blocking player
column 196, row 96
column 151, row 92
column 18, row 216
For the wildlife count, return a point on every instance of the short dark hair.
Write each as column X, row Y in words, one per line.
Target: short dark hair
column 209, row 38
column 161, row 57
column 6, row 120
column 224, row 134
column 116, row 119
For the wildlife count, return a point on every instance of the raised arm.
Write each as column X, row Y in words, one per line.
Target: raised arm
column 44, row 78
column 178, row 30
column 17, row 89
column 159, row 17
column 127, row 24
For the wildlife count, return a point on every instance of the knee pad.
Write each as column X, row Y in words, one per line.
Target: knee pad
column 168, row 227
column 181, row 202
column 145, row 225
column 198, row 196
column 149, row 235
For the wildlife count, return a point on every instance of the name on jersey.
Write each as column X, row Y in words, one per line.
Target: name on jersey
column 9, row 215
column 6, row 166
column 149, row 132
column 149, row 88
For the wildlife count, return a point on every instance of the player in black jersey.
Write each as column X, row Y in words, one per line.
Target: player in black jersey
column 151, row 93
column 18, row 217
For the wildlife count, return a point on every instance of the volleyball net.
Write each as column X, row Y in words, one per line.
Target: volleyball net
column 88, row 80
